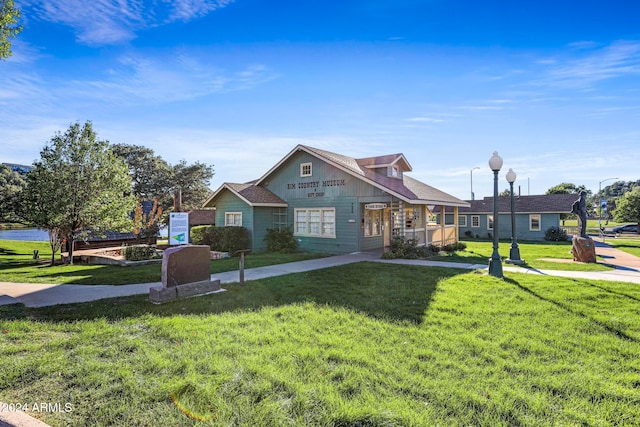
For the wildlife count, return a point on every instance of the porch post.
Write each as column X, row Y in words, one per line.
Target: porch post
column 442, row 220
column 455, row 221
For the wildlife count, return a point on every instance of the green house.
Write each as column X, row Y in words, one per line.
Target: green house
column 337, row 204
column 533, row 216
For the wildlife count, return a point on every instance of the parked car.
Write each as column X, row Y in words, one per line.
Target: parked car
column 629, row 228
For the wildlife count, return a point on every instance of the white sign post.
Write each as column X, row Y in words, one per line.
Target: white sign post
column 179, row 228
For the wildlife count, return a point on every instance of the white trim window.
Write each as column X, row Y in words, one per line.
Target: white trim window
column 233, row 219
column 535, row 222
column 372, row 222
column 306, row 169
column 320, row 222
column 475, row 221
column 489, row 222
column 462, row 220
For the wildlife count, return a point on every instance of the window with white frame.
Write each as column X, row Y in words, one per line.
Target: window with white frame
column 320, row 222
column 306, row 169
column 475, row 221
column 462, row 220
column 489, row 222
column 534, row 222
column 372, row 222
column 233, row 219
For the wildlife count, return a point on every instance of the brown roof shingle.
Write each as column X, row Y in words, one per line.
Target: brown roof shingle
column 543, row 203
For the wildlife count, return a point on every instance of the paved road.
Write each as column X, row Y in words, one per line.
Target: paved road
column 41, row 295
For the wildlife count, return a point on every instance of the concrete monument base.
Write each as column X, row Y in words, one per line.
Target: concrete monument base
column 160, row 294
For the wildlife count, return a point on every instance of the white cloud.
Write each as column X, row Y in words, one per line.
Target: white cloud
column 139, row 79
column 424, row 120
column 103, row 22
column 618, row 59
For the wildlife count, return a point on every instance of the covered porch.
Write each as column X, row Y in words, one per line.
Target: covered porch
column 418, row 221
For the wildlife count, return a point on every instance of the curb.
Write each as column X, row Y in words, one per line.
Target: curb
column 18, row 419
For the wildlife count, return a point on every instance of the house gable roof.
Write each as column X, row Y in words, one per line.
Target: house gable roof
column 249, row 193
column 543, row 203
column 407, row 188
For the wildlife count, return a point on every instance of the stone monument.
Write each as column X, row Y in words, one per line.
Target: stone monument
column 583, row 248
column 185, row 272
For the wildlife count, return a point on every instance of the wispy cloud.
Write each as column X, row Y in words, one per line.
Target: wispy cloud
column 619, row 59
column 139, row 80
column 103, row 22
column 424, row 120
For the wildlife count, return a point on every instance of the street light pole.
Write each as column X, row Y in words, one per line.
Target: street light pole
column 600, row 210
column 514, row 253
column 495, row 263
column 471, row 172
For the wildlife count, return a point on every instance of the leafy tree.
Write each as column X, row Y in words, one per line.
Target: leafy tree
column 568, row 188
column 153, row 177
column 150, row 174
column 193, row 183
column 11, row 186
column 628, row 207
column 78, row 184
column 9, row 27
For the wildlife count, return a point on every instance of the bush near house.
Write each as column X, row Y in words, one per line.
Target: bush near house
column 139, row 252
column 555, row 234
column 222, row 239
column 202, row 234
column 281, row 241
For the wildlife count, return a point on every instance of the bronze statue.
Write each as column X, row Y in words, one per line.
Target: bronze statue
column 580, row 208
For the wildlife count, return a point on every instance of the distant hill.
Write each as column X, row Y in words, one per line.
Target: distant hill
column 24, row 169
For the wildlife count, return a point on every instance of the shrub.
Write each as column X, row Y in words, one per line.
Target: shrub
column 281, row 241
column 202, row 234
column 451, row 248
column 221, row 239
column 139, row 252
column 555, row 234
column 433, row 248
column 401, row 247
column 233, row 239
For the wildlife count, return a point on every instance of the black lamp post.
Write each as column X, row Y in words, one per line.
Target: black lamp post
column 514, row 253
column 495, row 263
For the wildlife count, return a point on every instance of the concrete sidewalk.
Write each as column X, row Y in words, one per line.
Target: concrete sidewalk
column 627, row 269
column 42, row 295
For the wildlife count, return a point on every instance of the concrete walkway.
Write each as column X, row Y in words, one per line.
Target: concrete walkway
column 627, row 269
column 42, row 295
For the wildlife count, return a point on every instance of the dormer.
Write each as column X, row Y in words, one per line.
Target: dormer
column 391, row 165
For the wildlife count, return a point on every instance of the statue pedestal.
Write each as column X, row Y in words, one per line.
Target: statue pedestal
column 583, row 249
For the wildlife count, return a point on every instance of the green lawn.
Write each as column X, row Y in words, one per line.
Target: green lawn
column 17, row 265
column 628, row 244
column 534, row 254
column 366, row 344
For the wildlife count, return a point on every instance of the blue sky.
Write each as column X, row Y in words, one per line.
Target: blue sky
column 553, row 86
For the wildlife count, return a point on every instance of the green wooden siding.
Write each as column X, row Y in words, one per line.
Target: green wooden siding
column 229, row 202
column 262, row 220
column 547, row 220
column 328, row 187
